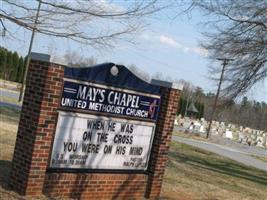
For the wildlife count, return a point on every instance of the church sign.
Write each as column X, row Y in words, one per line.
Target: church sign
column 109, row 100
column 96, row 132
column 89, row 142
column 104, row 125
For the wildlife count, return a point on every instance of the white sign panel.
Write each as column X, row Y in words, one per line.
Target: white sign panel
column 84, row 141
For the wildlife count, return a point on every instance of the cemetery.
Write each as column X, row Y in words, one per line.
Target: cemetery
column 240, row 134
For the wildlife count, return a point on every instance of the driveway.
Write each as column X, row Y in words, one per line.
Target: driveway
column 10, row 94
column 237, row 154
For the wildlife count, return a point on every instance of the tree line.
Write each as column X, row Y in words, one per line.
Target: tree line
column 246, row 113
column 12, row 65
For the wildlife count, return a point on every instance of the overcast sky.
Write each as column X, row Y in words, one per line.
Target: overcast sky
column 169, row 46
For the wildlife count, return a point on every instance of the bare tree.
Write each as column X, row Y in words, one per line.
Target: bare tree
column 237, row 30
column 188, row 88
column 140, row 73
column 74, row 59
column 91, row 22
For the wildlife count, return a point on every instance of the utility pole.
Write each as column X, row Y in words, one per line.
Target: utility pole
column 29, row 52
column 225, row 62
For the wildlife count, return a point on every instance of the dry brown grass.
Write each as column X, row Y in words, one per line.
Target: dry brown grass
column 9, row 85
column 199, row 174
column 264, row 159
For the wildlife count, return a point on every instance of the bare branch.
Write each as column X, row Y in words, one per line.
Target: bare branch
column 92, row 23
column 237, row 30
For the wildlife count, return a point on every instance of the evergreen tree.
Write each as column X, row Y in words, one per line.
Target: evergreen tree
column 24, row 68
column 15, row 64
column 197, row 104
column 3, row 59
column 9, row 65
column 180, row 106
column 201, row 110
column 20, row 70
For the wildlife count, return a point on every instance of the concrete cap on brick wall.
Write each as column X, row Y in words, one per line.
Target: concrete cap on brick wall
column 167, row 84
column 40, row 56
column 59, row 60
column 177, row 86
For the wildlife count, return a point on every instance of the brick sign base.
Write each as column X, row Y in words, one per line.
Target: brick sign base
column 29, row 175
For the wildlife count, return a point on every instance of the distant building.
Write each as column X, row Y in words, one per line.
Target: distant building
column 192, row 110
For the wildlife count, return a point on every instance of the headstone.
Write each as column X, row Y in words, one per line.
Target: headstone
column 259, row 142
column 214, row 131
column 202, row 129
column 196, row 126
column 221, row 131
column 228, row 134
column 186, row 124
column 240, row 137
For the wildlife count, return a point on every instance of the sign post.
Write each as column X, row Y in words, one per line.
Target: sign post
column 92, row 133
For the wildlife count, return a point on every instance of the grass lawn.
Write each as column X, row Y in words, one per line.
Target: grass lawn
column 191, row 173
column 199, row 174
column 201, row 137
column 264, row 159
column 9, row 119
column 8, row 129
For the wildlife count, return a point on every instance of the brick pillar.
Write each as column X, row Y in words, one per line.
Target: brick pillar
column 36, row 128
column 162, row 138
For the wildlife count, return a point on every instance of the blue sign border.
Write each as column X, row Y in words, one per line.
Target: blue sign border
column 105, row 100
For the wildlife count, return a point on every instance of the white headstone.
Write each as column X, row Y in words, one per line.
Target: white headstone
column 202, row 129
column 228, row 134
column 259, row 142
